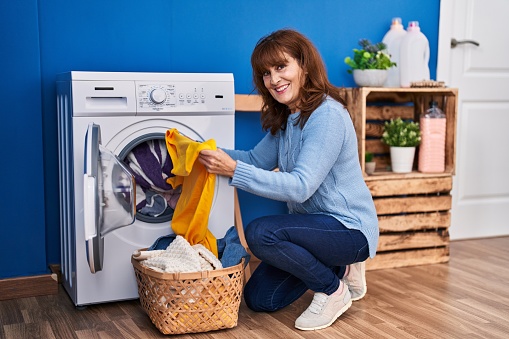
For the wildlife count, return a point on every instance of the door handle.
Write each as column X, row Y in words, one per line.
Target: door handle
column 455, row 42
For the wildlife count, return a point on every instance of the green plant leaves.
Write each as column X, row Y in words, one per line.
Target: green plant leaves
column 371, row 56
column 400, row 133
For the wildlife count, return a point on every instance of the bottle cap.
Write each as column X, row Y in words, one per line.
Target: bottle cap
column 412, row 24
column 396, row 22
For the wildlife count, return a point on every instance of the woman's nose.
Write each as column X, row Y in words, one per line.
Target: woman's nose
column 274, row 78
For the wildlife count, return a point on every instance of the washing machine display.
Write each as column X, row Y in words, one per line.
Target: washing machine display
column 106, row 121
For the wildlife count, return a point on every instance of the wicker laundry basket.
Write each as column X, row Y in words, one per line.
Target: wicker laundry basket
column 194, row 302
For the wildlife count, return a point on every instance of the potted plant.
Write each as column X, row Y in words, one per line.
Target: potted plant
column 370, row 64
column 369, row 164
column 402, row 137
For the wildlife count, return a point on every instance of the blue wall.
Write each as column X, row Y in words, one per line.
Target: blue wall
column 43, row 38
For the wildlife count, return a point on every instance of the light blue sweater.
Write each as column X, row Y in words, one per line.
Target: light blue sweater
column 319, row 170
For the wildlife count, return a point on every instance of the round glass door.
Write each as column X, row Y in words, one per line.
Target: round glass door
column 109, row 196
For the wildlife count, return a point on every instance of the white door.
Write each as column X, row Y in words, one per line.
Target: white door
column 481, row 73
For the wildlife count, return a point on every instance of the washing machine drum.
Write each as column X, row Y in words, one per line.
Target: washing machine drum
column 150, row 163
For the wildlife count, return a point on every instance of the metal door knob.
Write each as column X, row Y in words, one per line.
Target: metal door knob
column 455, row 42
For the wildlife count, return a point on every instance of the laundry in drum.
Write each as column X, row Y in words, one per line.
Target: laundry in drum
column 151, row 165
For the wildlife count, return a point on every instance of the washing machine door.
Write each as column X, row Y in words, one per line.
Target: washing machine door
column 109, row 196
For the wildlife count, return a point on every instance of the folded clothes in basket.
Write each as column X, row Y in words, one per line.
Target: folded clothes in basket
column 229, row 248
column 180, row 256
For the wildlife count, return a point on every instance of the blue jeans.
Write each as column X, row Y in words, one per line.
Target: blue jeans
column 299, row 252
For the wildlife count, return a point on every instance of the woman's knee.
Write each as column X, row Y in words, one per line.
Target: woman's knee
column 254, row 231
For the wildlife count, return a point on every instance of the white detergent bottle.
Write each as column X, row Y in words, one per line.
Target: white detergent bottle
column 413, row 56
column 432, row 147
column 392, row 40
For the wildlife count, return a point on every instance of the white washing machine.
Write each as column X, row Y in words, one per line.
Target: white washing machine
column 102, row 116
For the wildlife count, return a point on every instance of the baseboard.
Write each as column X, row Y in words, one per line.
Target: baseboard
column 31, row 286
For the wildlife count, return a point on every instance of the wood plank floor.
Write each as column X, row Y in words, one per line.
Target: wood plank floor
column 465, row 298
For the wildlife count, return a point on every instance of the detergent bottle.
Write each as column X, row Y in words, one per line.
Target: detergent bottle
column 414, row 56
column 432, row 147
column 392, row 40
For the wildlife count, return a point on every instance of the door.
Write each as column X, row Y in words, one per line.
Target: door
column 481, row 73
column 109, row 196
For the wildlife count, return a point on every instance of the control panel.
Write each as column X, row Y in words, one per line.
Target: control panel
column 183, row 96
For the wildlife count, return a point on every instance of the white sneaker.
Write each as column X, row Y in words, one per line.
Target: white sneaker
column 356, row 280
column 324, row 309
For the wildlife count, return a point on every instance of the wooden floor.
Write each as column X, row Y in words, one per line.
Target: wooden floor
column 466, row 298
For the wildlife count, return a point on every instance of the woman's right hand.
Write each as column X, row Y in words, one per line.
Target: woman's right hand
column 217, row 162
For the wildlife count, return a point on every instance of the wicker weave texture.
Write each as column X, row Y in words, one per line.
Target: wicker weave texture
column 195, row 302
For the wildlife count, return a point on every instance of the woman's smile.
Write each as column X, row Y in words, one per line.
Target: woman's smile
column 281, row 88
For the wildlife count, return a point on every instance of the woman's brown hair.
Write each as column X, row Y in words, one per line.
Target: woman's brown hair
column 267, row 53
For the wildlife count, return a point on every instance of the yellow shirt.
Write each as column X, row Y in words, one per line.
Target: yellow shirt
column 191, row 215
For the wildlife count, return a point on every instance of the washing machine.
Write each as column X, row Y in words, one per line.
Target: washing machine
column 102, row 118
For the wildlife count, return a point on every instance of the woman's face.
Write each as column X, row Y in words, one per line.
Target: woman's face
column 284, row 82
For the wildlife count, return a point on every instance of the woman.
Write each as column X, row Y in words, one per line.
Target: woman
column 332, row 225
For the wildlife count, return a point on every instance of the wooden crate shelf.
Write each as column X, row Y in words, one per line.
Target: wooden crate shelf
column 413, row 217
column 413, row 208
column 370, row 107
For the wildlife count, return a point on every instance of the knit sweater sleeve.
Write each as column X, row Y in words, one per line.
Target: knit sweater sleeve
column 263, row 155
column 310, row 154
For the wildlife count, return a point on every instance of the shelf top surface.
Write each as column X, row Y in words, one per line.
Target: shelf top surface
column 405, row 90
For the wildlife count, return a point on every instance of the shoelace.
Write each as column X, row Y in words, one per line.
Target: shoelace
column 318, row 303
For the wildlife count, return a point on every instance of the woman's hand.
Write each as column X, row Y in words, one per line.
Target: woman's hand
column 217, row 162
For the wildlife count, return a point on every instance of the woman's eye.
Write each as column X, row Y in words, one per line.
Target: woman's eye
column 266, row 73
column 280, row 67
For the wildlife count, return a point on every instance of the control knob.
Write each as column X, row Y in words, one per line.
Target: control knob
column 157, row 96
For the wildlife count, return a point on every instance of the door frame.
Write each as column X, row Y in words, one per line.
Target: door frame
column 444, row 40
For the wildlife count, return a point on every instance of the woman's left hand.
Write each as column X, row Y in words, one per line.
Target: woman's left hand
column 217, row 162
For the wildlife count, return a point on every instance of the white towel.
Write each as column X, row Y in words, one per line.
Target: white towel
column 180, row 256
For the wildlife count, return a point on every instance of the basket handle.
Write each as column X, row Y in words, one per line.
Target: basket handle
column 238, row 220
column 240, row 230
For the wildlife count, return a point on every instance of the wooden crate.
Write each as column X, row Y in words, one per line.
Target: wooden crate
column 414, row 219
column 370, row 107
column 413, row 208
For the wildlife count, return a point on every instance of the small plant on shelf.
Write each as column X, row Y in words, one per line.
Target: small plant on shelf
column 370, row 56
column 368, row 157
column 402, row 136
column 401, row 133
column 370, row 164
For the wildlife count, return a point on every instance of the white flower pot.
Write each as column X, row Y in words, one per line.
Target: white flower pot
column 370, row 167
column 370, row 77
column 402, row 159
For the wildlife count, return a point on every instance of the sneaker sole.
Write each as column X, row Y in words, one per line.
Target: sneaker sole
column 340, row 312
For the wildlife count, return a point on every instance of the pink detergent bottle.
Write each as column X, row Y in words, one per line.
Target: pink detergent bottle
column 432, row 147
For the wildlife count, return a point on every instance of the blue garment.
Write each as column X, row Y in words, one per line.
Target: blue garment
column 230, row 249
column 299, row 252
column 155, row 204
column 319, row 170
column 162, row 242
